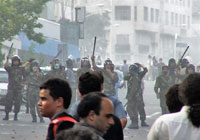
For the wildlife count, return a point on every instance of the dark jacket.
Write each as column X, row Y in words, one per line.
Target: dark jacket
column 60, row 125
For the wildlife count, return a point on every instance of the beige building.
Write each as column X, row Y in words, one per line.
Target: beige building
column 140, row 28
column 149, row 27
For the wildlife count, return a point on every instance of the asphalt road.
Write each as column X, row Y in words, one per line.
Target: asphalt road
column 24, row 129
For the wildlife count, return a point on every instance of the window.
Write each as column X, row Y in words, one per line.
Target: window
column 122, row 39
column 181, row 20
column 176, row 19
column 135, row 13
column 166, row 18
column 122, row 13
column 143, row 49
column 122, row 45
column 172, row 18
column 152, row 15
column 188, row 3
column 176, row 2
column 184, row 2
column 184, row 19
column 157, row 16
column 188, row 22
column 145, row 13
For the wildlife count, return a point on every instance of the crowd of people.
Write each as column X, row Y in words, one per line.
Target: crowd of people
column 84, row 105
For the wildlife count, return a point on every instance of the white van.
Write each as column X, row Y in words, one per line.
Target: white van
column 3, row 85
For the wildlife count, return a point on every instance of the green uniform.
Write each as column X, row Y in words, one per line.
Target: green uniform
column 16, row 77
column 109, row 82
column 135, row 103
column 163, row 82
column 34, row 81
column 58, row 73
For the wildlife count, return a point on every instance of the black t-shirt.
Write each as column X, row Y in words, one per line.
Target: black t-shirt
column 61, row 126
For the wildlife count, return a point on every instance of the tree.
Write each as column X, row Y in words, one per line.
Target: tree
column 95, row 25
column 2, row 56
column 20, row 16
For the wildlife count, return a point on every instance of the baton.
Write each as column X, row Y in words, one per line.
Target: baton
column 95, row 38
column 185, row 52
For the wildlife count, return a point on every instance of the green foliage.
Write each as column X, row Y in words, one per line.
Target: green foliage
column 20, row 16
column 31, row 50
column 95, row 25
column 2, row 56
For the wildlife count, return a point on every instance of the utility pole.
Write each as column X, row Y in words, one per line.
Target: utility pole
column 72, row 10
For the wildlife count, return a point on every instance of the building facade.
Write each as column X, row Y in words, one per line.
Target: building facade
column 149, row 27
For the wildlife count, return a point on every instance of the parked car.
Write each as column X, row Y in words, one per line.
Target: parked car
column 3, row 85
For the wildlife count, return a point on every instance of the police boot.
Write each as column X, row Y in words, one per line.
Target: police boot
column 41, row 120
column 6, row 117
column 133, row 126
column 34, row 120
column 144, row 124
column 15, row 117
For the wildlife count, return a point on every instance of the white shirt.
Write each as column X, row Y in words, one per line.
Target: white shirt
column 175, row 126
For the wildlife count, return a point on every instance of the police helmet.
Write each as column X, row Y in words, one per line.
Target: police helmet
column 133, row 68
column 109, row 62
column 16, row 57
column 35, row 63
column 85, row 62
column 184, row 63
column 69, row 63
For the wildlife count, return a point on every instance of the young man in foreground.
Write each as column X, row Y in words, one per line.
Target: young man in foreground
column 55, row 97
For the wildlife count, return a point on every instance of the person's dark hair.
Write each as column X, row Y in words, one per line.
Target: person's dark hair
column 171, row 60
column 89, row 82
column 89, row 102
column 189, row 93
column 172, row 101
column 165, row 67
column 99, row 74
column 77, row 133
column 190, row 66
column 58, row 88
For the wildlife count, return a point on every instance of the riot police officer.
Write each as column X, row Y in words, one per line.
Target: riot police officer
column 16, row 77
column 110, row 79
column 135, row 103
column 85, row 67
column 71, row 78
column 56, row 71
column 34, row 79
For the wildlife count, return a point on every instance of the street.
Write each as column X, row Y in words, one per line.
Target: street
column 24, row 129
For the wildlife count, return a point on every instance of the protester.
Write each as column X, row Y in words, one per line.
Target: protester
column 77, row 133
column 172, row 100
column 55, row 96
column 110, row 80
column 183, row 125
column 92, row 82
column 172, row 67
column 96, row 112
column 163, row 82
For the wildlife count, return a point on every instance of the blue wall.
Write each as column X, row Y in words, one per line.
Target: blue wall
column 49, row 47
